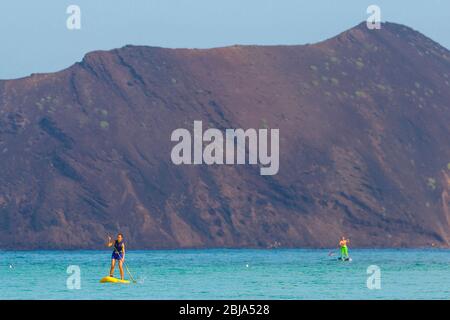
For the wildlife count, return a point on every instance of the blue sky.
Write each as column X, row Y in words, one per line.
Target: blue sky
column 34, row 37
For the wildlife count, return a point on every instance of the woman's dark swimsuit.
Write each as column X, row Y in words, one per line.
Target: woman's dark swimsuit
column 117, row 253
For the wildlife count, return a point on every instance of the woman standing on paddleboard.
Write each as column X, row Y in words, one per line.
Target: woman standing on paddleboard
column 118, row 254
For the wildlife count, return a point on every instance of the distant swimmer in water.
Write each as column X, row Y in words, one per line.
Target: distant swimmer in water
column 118, row 254
column 344, row 249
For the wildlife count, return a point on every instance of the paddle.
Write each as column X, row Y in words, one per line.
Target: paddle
column 126, row 267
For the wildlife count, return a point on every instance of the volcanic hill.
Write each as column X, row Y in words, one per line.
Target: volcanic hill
column 364, row 123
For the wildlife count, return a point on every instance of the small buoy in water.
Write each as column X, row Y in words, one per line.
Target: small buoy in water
column 10, row 266
column 246, row 265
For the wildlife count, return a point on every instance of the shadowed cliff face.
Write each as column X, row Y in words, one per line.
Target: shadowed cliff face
column 364, row 123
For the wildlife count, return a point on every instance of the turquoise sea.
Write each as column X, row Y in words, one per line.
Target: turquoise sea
column 229, row 274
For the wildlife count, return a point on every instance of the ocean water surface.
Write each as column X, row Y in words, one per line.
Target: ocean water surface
column 229, row 274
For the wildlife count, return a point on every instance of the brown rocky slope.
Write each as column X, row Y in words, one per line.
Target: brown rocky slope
column 364, row 124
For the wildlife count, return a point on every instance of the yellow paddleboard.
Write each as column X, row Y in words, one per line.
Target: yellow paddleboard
column 113, row 280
